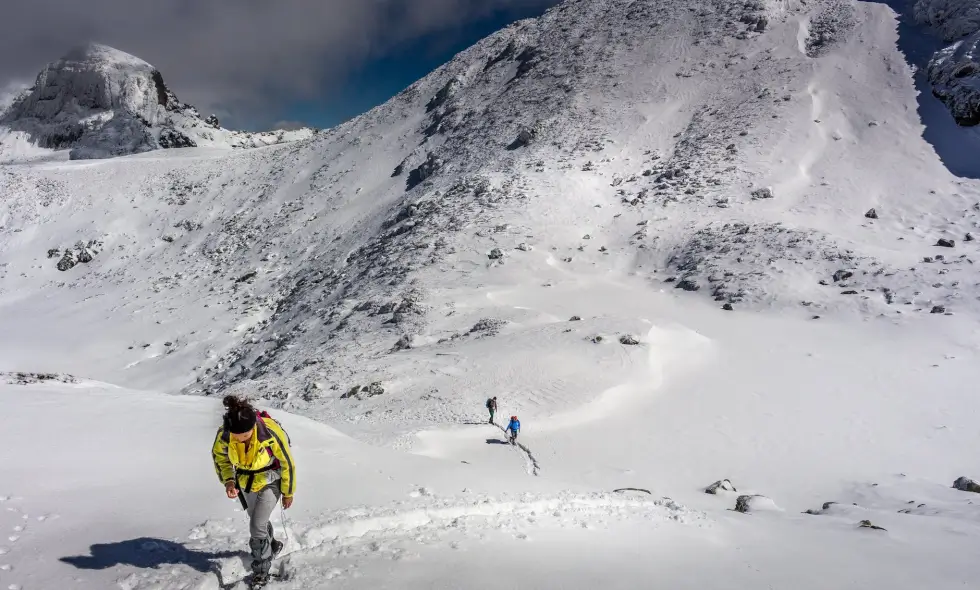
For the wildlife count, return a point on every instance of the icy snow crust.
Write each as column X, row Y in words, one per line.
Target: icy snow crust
column 98, row 102
column 645, row 226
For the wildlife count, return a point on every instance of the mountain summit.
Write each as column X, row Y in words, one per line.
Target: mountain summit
column 99, row 102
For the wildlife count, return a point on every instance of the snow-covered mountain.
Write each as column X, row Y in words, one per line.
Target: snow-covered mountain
column 99, row 102
column 683, row 240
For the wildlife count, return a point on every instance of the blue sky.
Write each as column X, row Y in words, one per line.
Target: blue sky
column 383, row 77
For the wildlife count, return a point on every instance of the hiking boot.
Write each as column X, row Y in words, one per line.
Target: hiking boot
column 258, row 580
column 276, row 547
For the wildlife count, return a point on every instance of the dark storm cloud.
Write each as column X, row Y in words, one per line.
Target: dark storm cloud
column 235, row 56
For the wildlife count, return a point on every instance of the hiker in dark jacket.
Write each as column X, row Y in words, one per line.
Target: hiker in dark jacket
column 492, row 406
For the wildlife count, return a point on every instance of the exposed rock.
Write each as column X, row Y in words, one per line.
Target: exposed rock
column 403, row 343
column 575, row 318
column 966, row 484
column 871, row 214
column 722, row 484
column 247, row 276
column 445, row 94
column 943, row 242
column 938, row 309
column 54, row 252
column 628, row 340
column 373, row 389
column 496, row 254
column 21, row 378
column 361, row 392
column 84, row 256
column 953, row 73
column 842, row 275
column 212, row 121
column 596, row 339
column 969, row 237
column 687, row 285
column 728, row 307
column 525, row 136
column 762, row 193
column 67, row 261
column 426, row 169
column 171, row 138
column 524, row 247
column 488, row 326
column 829, row 26
column 866, row 524
column 753, row 503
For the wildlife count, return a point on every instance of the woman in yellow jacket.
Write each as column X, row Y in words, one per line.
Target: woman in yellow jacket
column 252, row 459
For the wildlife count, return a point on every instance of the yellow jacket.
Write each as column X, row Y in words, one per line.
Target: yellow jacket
column 272, row 451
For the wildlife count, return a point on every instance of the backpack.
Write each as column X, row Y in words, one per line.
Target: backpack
column 489, row 403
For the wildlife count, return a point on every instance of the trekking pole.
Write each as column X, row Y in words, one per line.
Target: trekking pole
column 285, row 523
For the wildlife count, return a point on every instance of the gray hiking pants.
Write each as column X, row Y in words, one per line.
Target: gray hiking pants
column 260, row 507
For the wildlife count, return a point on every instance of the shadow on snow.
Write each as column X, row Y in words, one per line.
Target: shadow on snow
column 147, row 553
column 955, row 145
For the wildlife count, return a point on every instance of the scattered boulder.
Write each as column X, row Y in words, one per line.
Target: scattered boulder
column 871, row 214
column 938, row 309
column 404, row 343
column 360, row 392
column 54, row 252
column 523, row 247
column 525, row 136
column 763, row 193
column 247, row 276
column 867, row 524
column 965, row 484
column 687, row 285
column 575, row 318
column 495, row 254
column 84, row 256
column 968, row 237
column 842, row 275
column 754, row 503
column 761, row 24
column 596, row 339
column 628, row 340
column 67, row 261
column 373, row 389
column 721, row 484
column 425, row 170
column 212, row 121
column 488, row 326
column 943, row 242
column 728, row 307
column 849, row 292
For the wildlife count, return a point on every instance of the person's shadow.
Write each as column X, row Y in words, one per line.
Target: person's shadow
column 496, row 441
column 147, row 553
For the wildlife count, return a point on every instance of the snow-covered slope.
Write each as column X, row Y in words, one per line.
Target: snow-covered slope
column 682, row 240
column 146, row 515
column 99, row 102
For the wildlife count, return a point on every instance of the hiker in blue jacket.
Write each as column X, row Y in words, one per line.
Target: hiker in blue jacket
column 514, row 428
